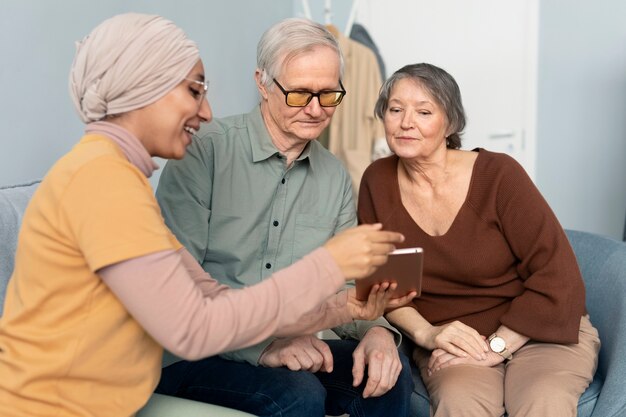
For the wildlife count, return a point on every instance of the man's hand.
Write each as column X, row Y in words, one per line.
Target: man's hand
column 378, row 301
column 303, row 353
column 378, row 351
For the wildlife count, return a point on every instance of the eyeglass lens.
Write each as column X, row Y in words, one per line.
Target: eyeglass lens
column 302, row 98
column 204, row 87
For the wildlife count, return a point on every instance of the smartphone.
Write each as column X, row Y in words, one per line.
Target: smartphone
column 404, row 266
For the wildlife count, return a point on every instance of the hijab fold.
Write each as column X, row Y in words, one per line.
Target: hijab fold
column 127, row 62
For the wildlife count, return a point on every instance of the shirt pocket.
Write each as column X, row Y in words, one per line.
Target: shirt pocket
column 311, row 231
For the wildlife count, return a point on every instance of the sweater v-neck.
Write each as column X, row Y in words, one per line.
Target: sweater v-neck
column 405, row 211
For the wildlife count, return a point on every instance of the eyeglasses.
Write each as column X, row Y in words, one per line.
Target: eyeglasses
column 301, row 98
column 200, row 95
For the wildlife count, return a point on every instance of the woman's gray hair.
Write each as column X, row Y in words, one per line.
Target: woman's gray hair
column 440, row 85
column 287, row 39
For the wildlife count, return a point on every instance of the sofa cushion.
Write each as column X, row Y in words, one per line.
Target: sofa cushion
column 13, row 202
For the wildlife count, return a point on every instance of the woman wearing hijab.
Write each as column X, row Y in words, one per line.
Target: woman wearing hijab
column 100, row 283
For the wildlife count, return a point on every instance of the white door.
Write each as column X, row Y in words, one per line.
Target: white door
column 488, row 46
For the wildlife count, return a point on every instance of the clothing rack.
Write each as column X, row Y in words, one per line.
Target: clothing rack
column 351, row 17
column 328, row 13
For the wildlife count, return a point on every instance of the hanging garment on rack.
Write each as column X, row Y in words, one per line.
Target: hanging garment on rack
column 354, row 129
column 362, row 36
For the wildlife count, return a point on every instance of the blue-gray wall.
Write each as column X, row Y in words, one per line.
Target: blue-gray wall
column 37, row 40
column 581, row 137
column 581, row 124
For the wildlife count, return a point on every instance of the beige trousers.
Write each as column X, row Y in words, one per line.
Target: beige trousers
column 542, row 379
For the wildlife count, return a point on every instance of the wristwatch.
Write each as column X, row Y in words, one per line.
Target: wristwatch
column 498, row 345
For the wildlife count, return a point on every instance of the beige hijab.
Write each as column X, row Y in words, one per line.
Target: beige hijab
column 127, row 62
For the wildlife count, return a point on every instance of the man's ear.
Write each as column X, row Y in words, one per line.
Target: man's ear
column 258, row 76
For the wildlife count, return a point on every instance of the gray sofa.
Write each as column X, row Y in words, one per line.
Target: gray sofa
column 13, row 201
column 603, row 265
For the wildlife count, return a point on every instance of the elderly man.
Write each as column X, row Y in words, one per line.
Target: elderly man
column 255, row 193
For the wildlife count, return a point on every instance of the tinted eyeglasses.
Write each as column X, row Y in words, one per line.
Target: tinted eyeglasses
column 301, row 98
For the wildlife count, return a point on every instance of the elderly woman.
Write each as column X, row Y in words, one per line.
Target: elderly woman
column 501, row 323
column 100, row 283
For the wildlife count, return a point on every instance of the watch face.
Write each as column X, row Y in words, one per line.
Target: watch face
column 497, row 344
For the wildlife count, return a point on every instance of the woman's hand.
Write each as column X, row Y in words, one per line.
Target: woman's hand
column 457, row 339
column 440, row 359
column 378, row 300
column 358, row 251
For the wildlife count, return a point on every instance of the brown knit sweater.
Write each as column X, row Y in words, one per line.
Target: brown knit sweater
column 504, row 260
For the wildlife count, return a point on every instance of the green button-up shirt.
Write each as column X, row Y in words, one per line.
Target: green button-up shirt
column 243, row 214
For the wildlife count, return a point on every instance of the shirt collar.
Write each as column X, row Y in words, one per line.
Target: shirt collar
column 261, row 143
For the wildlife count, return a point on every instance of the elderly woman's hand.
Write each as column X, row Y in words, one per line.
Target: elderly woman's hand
column 459, row 340
column 440, row 359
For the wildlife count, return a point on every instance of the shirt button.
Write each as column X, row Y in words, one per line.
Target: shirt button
column 268, row 265
column 283, row 181
column 275, row 223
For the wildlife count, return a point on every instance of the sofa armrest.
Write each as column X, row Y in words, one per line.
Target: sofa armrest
column 13, row 202
column 602, row 262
